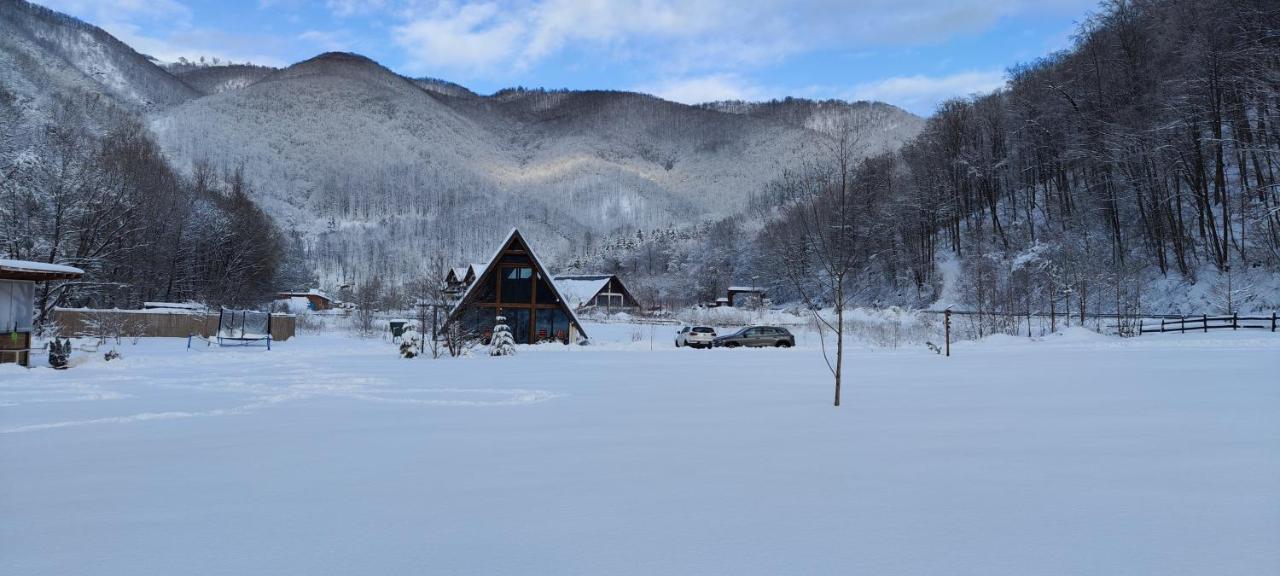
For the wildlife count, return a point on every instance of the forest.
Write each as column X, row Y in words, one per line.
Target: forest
column 1147, row 151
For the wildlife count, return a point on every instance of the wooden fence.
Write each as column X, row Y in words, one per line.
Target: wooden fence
column 1205, row 323
column 146, row 323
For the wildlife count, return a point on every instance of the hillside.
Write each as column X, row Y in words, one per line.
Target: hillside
column 376, row 173
column 358, row 155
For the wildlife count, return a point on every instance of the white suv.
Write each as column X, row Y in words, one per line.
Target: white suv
column 695, row 336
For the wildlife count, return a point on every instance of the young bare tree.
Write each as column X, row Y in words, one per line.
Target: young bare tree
column 819, row 238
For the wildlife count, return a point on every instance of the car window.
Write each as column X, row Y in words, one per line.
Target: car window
column 703, row 330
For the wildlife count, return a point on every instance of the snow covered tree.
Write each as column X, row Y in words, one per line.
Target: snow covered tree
column 502, row 343
column 410, row 344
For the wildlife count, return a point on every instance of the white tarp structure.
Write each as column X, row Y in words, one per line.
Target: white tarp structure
column 17, row 300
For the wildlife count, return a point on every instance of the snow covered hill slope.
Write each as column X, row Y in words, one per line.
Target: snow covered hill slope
column 215, row 79
column 377, row 171
column 43, row 51
column 340, row 147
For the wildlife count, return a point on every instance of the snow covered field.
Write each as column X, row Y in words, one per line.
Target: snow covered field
column 1077, row 454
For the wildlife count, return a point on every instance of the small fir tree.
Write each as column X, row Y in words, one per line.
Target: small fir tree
column 502, row 343
column 59, row 353
column 410, row 343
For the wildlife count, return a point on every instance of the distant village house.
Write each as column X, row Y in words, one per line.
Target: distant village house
column 596, row 292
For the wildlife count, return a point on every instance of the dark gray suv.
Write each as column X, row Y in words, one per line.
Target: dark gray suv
column 757, row 336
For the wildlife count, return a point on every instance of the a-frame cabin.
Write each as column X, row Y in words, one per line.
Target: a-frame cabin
column 516, row 285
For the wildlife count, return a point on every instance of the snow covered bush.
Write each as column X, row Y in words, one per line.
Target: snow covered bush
column 502, row 344
column 59, row 353
column 410, row 344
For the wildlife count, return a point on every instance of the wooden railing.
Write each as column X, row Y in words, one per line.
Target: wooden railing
column 1205, row 323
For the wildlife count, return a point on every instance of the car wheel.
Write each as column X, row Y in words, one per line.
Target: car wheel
column 783, row 344
column 677, row 343
column 732, row 345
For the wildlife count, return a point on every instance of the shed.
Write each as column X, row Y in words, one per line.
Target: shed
column 315, row 299
column 597, row 291
column 17, row 303
column 746, row 296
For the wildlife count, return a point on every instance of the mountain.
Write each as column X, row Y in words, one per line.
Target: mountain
column 41, row 49
column 215, row 79
column 354, row 153
column 378, row 172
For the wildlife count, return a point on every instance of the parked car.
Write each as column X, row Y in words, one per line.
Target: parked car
column 757, row 336
column 695, row 336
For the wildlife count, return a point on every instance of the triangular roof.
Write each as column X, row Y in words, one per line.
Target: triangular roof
column 484, row 270
column 579, row 288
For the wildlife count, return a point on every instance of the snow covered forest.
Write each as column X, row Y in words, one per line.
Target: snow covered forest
column 1136, row 170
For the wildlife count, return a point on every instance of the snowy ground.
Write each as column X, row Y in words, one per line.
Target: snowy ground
column 1077, row 454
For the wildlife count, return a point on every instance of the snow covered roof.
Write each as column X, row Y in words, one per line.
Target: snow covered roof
column 36, row 271
column 459, row 273
column 173, row 305
column 537, row 262
column 576, row 290
column 312, row 292
column 746, row 289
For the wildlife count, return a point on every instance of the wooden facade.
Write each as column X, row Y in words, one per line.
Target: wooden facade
column 514, row 284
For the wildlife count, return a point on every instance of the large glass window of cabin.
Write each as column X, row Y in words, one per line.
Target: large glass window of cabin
column 517, row 284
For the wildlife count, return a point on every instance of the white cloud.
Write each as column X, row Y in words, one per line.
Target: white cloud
column 710, row 88
column 467, row 39
column 327, row 40
column 345, row 8
column 922, row 93
column 127, row 20
column 687, row 36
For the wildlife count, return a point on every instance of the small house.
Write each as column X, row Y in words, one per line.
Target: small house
column 596, row 292
column 745, row 297
column 17, row 303
column 515, row 285
column 313, row 299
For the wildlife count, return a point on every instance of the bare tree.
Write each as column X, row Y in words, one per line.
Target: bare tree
column 819, row 239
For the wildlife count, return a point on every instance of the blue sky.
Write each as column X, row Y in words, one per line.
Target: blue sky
column 910, row 53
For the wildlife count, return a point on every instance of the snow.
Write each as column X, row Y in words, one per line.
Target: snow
column 1071, row 454
column 29, row 266
column 194, row 306
column 575, row 292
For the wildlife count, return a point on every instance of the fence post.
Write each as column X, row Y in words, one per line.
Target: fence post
column 1235, row 320
column 1273, row 321
column 946, row 322
column 1205, row 318
column 1182, row 325
column 1162, row 325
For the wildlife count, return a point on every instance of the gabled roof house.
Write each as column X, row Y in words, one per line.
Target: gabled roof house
column 516, row 285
